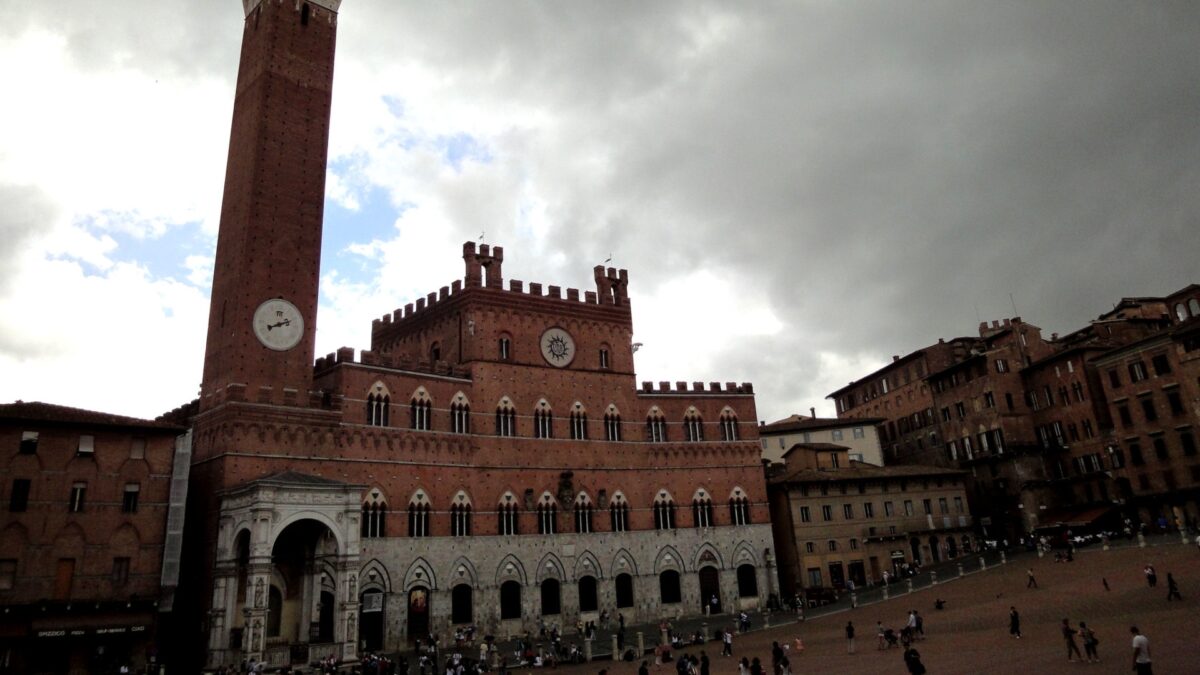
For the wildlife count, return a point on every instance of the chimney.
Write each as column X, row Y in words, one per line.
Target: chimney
column 895, row 358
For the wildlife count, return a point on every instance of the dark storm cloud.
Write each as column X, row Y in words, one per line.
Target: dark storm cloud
column 891, row 172
column 881, row 173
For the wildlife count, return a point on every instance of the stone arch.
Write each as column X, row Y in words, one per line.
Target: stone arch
column 586, row 565
column 578, row 407
column 125, row 540
column 543, row 405
column 461, row 498
column 707, row 554
column 460, row 398
column 420, row 573
column 421, row 394
column 744, row 553
column 380, row 581
column 701, row 495
column 505, row 404
column 510, row 569
column 550, row 567
column 508, row 497
column 738, row 493
column 462, row 571
column 668, row 558
column 67, row 537
column 629, row 566
column 277, row 528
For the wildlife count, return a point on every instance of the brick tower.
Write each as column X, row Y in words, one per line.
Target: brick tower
column 262, row 318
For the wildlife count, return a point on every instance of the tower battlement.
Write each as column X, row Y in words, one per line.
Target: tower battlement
column 484, row 270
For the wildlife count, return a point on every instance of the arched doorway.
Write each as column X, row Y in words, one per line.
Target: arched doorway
column 747, row 581
column 551, row 599
column 462, row 604
column 588, row 601
column 624, row 590
column 915, row 545
column 710, row 589
column 951, row 547
column 418, row 613
column 668, row 587
column 302, row 558
column 371, row 619
column 934, row 549
column 325, row 620
column 510, row 600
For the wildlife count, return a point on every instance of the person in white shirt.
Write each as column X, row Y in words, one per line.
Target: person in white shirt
column 1141, row 652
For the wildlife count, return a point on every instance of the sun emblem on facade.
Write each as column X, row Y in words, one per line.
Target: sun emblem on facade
column 558, row 348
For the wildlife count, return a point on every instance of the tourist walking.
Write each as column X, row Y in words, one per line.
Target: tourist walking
column 1068, row 634
column 1089, row 642
column 1141, row 652
column 744, row 666
column 1014, row 622
column 1032, row 583
column 849, row 637
column 1172, row 588
column 727, row 643
column 1151, row 575
column 756, row 667
column 880, row 636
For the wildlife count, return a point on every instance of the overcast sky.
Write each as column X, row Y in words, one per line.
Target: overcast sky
column 798, row 190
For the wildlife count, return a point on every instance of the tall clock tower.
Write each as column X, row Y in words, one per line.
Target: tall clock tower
column 262, row 319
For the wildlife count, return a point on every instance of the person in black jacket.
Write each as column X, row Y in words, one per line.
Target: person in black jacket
column 912, row 659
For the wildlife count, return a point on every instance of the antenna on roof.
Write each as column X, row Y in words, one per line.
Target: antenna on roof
column 608, row 259
column 481, row 235
column 1014, row 304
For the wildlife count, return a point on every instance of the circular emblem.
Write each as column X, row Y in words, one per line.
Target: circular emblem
column 278, row 324
column 557, row 347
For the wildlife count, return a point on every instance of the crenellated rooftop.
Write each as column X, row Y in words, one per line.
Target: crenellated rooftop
column 484, row 269
column 681, row 387
column 392, row 361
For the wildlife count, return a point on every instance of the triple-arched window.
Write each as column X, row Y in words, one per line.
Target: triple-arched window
column 612, row 424
column 664, row 512
column 739, row 508
column 578, row 423
column 583, row 514
column 702, row 510
column 693, row 426
column 547, row 515
column 618, row 513
column 507, row 513
column 656, row 426
column 378, row 404
column 420, row 411
column 460, row 415
column 543, row 420
column 460, row 516
column 418, row 516
column 729, row 425
column 506, row 418
column 374, row 516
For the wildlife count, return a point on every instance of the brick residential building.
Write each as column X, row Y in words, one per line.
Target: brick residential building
column 837, row 521
column 87, row 568
column 490, row 460
column 1046, row 426
column 1152, row 386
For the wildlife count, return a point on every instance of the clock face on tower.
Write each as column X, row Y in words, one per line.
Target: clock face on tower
column 278, row 324
column 557, row 347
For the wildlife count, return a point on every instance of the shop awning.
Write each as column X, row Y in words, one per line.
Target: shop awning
column 1073, row 517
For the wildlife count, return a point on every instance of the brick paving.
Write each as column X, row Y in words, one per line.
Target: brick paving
column 971, row 634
